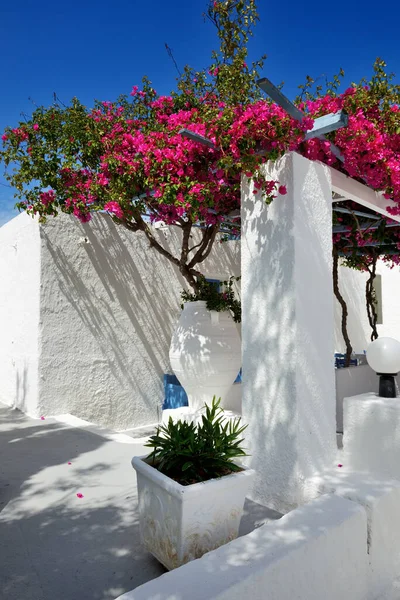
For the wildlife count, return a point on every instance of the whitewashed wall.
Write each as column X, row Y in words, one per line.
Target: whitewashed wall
column 108, row 305
column 352, row 287
column 317, row 552
column 19, row 313
column 287, row 331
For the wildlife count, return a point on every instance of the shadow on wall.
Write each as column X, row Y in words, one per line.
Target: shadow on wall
column 277, row 430
column 120, row 302
column 352, row 288
column 315, row 376
column 272, row 421
column 110, row 306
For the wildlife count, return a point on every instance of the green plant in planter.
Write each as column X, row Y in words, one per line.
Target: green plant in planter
column 190, row 453
column 215, row 299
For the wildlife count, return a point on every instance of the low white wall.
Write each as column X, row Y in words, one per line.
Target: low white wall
column 318, row 551
column 19, row 314
column 345, row 544
column 352, row 381
column 108, row 305
column 381, row 500
column 371, row 440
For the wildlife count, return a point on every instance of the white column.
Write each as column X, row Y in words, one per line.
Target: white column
column 287, row 331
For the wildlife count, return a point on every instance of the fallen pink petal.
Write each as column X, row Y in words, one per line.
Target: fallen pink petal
column 42, row 418
column 70, row 463
column 79, row 495
column 340, row 466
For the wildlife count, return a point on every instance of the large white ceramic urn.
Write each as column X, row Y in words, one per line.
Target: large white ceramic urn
column 205, row 353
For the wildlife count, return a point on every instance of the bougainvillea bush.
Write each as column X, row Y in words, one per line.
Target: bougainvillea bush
column 128, row 158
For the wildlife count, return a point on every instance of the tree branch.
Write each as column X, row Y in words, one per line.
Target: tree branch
column 370, row 298
column 142, row 226
column 204, row 247
column 342, row 302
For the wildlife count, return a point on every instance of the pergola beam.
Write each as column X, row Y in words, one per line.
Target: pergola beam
column 276, row 95
column 322, row 125
column 327, row 124
column 350, row 189
column 196, row 137
column 363, row 227
column 358, row 213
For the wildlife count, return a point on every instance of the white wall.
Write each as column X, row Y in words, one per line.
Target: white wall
column 317, row 552
column 352, row 287
column 345, row 544
column 108, row 306
column 19, row 313
column 287, row 331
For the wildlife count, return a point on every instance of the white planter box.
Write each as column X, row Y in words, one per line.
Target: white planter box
column 180, row 523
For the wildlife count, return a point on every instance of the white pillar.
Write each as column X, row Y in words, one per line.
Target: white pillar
column 287, row 331
column 371, row 441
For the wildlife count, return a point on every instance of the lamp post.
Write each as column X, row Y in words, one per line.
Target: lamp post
column 383, row 356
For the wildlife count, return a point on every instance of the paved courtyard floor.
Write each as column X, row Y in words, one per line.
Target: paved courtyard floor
column 55, row 545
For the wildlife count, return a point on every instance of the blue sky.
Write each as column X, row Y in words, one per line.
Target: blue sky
column 97, row 49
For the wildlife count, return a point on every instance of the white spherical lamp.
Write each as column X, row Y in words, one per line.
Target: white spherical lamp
column 383, row 356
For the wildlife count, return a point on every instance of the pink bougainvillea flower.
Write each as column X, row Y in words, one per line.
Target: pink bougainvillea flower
column 36, row 127
column 42, row 418
column 282, row 190
column 134, row 90
column 79, row 495
column 339, row 465
column 114, row 207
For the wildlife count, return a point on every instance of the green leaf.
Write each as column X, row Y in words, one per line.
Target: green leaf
column 187, row 466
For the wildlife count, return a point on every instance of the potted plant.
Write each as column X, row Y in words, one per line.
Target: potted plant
column 205, row 352
column 192, row 487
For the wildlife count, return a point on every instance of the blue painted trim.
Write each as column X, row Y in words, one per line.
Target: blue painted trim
column 239, row 377
column 216, row 282
column 174, row 394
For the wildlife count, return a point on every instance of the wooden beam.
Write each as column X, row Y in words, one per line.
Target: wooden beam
column 328, row 123
column 196, row 137
column 358, row 213
column 350, row 189
column 276, row 95
column 363, row 227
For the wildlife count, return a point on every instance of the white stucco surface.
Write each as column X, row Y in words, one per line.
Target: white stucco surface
column 381, row 500
column 19, row 314
column 108, row 306
column 371, row 440
column 288, row 384
column 352, row 381
column 352, row 287
column 317, row 551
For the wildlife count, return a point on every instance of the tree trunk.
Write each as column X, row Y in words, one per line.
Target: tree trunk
column 371, row 299
column 343, row 305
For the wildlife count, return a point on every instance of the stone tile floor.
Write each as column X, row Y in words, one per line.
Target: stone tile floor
column 57, row 546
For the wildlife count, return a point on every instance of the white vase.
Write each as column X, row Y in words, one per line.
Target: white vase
column 205, row 353
column 179, row 523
